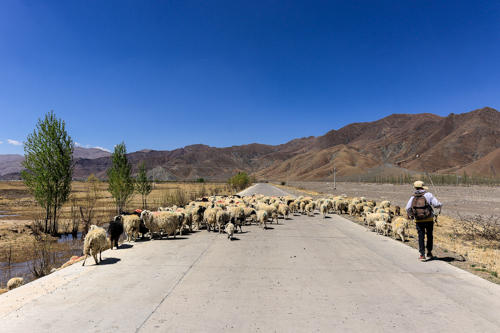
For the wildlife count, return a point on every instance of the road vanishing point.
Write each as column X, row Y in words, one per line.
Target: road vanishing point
column 305, row 274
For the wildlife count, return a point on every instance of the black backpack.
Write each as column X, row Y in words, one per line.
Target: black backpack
column 420, row 208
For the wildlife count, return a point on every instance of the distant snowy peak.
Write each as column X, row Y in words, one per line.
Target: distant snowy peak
column 90, row 153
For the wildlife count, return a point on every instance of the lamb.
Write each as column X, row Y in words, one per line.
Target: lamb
column 94, row 243
column 371, row 218
column 222, row 218
column 283, row 210
column 15, row 282
column 131, row 225
column 382, row 227
column 115, row 230
column 262, row 217
column 169, row 222
column 230, row 229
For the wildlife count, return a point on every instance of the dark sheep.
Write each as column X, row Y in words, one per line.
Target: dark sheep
column 397, row 211
column 115, row 230
column 142, row 229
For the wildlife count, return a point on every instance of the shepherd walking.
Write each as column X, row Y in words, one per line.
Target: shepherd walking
column 420, row 207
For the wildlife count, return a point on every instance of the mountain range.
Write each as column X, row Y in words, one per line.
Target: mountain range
column 459, row 142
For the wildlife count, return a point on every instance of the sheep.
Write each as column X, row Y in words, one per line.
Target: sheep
column 302, row 207
column 262, row 217
column 15, row 282
column 115, row 230
column 239, row 216
column 283, row 210
column 397, row 210
column 293, row 207
column 169, row 222
column 342, row 207
column 210, row 218
column 94, row 243
column 230, row 229
column 398, row 229
column 131, row 225
column 250, row 213
column 197, row 212
column 381, row 227
column 309, row 208
column 272, row 212
column 360, row 208
column 186, row 219
column 324, row 209
column 386, row 204
column 370, row 218
column 222, row 218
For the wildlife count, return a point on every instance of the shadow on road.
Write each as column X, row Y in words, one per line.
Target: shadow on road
column 448, row 259
column 109, row 261
column 125, row 246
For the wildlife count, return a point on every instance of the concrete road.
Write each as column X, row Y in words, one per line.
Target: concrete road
column 305, row 274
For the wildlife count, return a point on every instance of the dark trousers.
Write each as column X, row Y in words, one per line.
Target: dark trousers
column 425, row 228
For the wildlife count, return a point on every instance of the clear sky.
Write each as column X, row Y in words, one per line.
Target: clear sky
column 166, row 74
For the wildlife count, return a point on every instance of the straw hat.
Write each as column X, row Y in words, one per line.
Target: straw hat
column 420, row 184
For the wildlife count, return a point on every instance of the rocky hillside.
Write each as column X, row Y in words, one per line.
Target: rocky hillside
column 459, row 142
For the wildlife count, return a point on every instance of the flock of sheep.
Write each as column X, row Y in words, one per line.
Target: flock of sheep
column 226, row 214
column 223, row 213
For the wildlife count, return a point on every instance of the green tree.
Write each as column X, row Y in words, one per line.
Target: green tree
column 465, row 178
column 121, row 184
column 143, row 186
column 239, row 181
column 48, row 167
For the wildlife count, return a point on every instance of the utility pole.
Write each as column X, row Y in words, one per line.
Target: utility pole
column 334, row 177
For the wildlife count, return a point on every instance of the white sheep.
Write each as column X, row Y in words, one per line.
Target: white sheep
column 309, row 208
column 272, row 211
column 370, row 218
column 95, row 242
column 250, row 213
column 283, row 210
column 262, row 217
column 169, row 222
column 229, row 230
column 238, row 214
column 131, row 225
column 398, row 229
column 382, row 227
column 222, row 218
column 15, row 282
column 324, row 209
column 210, row 218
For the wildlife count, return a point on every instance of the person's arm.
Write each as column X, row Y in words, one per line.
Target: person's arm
column 433, row 201
column 408, row 206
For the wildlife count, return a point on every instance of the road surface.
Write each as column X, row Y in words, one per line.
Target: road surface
column 306, row 274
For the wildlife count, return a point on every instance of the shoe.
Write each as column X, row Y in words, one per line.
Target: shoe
column 422, row 258
column 430, row 256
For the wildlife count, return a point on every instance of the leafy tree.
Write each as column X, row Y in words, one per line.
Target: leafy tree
column 465, row 178
column 239, row 181
column 48, row 167
column 143, row 186
column 121, row 184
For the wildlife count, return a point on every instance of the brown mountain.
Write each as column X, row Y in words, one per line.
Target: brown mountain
column 468, row 141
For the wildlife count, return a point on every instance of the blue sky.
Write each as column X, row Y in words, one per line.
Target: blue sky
column 166, row 74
